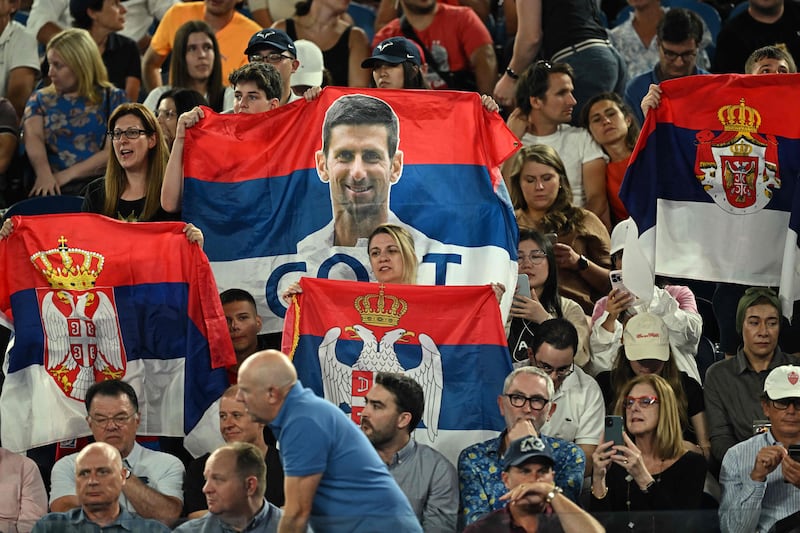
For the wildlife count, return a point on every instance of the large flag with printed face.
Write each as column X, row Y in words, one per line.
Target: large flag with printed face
column 450, row 340
column 713, row 181
column 90, row 299
column 276, row 204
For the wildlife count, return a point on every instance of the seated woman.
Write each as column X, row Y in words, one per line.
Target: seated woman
column 613, row 126
column 652, row 470
column 542, row 199
column 674, row 304
column 535, row 255
column 646, row 351
column 65, row 123
column 172, row 104
column 196, row 64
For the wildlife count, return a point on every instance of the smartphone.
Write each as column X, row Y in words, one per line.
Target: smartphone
column 616, row 283
column 614, row 430
column 552, row 237
column 523, row 285
column 794, row 451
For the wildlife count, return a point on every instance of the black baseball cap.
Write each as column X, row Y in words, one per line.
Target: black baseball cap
column 271, row 38
column 394, row 50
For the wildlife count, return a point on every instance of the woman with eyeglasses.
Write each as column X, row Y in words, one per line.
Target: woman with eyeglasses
column 655, row 357
column 172, row 104
column 542, row 199
column 196, row 64
column 65, row 123
column 534, row 256
column 652, row 471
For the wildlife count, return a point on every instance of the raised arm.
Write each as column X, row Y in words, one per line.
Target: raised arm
column 526, row 46
column 172, row 187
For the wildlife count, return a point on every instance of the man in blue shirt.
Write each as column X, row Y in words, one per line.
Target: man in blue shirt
column 99, row 478
column 334, row 478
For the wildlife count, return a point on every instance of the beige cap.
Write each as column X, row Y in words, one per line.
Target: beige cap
column 646, row 337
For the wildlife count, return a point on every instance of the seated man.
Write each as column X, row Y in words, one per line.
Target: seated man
column 236, row 479
column 525, row 404
column 100, row 481
column 578, row 408
column 393, row 410
column 236, row 426
column 733, row 385
column 533, row 501
column 153, row 480
column 759, row 478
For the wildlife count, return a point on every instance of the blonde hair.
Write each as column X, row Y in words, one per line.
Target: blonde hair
column 157, row 156
column 80, row 53
column 669, row 437
column 405, row 242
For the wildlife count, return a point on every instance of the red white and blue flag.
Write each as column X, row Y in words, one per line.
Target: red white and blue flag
column 449, row 339
column 89, row 299
column 713, row 182
column 252, row 186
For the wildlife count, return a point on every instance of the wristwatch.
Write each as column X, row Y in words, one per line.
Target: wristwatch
column 583, row 263
column 553, row 493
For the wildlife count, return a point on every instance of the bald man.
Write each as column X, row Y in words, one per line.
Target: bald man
column 99, row 478
column 334, row 478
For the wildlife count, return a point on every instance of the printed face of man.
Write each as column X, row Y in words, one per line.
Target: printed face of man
column 359, row 169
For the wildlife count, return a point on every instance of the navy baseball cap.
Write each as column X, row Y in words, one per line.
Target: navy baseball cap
column 271, row 38
column 525, row 449
column 394, row 50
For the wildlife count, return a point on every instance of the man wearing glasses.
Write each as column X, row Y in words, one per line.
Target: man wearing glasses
column 578, row 409
column 525, row 404
column 275, row 47
column 154, row 480
column 678, row 36
column 760, row 477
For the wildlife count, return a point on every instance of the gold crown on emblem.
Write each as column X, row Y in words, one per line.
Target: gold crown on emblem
column 739, row 118
column 741, row 149
column 69, row 268
column 375, row 311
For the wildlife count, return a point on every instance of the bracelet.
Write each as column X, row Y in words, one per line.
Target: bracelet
column 605, row 493
column 511, row 74
column 553, row 493
column 647, row 487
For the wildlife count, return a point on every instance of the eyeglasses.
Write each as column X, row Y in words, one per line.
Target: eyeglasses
column 268, row 58
column 561, row 372
column 104, row 421
column 783, row 403
column 518, row 400
column 130, row 133
column 166, row 113
column 685, row 56
column 643, row 401
column 535, row 258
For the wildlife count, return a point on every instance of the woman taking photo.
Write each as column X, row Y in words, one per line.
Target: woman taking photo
column 652, row 470
column 534, row 256
column 542, row 199
column 613, row 126
column 196, row 64
column 65, row 123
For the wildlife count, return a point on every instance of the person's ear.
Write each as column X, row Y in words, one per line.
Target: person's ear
column 295, row 65
column 397, row 166
column 322, row 166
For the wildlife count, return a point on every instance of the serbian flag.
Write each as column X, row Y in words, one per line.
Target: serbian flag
column 713, row 181
column 254, row 186
column 90, row 299
column 450, row 340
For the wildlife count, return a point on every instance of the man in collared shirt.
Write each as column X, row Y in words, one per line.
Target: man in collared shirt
column 732, row 386
column 525, row 404
column 99, row 480
column 760, row 480
column 578, row 401
column 393, row 410
column 236, row 479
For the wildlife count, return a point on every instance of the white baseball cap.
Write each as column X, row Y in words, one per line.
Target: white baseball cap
column 783, row 382
column 309, row 73
column 646, row 337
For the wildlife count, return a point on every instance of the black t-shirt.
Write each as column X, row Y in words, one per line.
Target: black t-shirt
column 94, row 197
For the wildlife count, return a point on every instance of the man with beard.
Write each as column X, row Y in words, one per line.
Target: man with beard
column 394, row 408
column 535, row 502
column 764, row 22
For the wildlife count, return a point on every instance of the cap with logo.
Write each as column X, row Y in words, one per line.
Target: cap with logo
column 525, row 449
column 309, row 73
column 271, row 38
column 783, row 382
column 394, row 50
column 646, row 337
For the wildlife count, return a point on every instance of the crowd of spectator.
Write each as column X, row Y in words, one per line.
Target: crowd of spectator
column 612, row 420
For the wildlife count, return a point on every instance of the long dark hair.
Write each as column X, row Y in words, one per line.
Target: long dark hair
column 179, row 74
column 549, row 299
column 633, row 128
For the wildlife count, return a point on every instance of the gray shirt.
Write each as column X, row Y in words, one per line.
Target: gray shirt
column 265, row 521
column 732, row 392
column 430, row 482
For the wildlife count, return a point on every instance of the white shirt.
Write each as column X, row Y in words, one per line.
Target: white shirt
column 17, row 49
column 579, row 410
